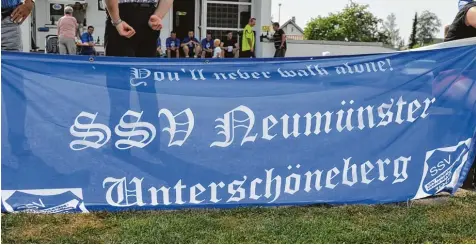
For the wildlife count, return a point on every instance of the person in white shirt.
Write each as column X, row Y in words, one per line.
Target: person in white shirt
column 217, row 52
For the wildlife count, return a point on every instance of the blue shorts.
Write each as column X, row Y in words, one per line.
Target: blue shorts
column 463, row 3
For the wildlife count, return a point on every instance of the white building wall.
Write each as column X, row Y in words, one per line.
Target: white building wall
column 96, row 18
column 316, row 48
column 261, row 10
column 26, row 34
column 292, row 30
column 42, row 21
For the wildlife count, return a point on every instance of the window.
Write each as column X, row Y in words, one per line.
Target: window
column 56, row 11
column 223, row 15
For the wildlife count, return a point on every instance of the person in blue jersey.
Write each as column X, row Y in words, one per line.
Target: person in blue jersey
column 133, row 26
column 14, row 12
column 173, row 45
column 208, row 46
column 87, row 41
column 191, row 45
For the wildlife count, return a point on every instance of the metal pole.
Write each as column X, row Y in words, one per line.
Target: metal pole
column 279, row 18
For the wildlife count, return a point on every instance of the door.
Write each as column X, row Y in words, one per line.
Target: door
column 184, row 17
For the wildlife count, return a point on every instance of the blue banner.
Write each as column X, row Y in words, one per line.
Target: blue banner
column 81, row 135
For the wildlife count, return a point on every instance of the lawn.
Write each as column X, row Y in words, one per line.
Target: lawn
column 453, row 221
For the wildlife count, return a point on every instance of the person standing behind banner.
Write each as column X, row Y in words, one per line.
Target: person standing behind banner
column 79, row 13
column 14, row 12
column 132, row 29
column 464, row 24
column 248, row 42
column 67, row 27
column 461, row 4
column 279, row 39
column 133, row 26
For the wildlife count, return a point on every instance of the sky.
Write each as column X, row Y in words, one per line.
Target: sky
column 404, row 10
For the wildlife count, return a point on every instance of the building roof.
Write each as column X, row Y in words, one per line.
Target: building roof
column 292, row 21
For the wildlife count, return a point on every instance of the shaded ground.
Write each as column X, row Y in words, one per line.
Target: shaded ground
column 451, row 221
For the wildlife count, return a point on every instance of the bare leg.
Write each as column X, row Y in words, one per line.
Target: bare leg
column 198, row 50
column 186, row 50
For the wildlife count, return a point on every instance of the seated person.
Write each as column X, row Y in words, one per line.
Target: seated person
column 172, row 44
column 207, row 46
column 191, row 46
column 159, row 47
column 217, row 52
column 87, row 42
column 464, row 25
column 230, row 46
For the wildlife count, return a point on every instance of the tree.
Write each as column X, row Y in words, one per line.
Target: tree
column 413, row 36
column 401, row 44
column 390, row 27
column 428, row 26
column 355, row 23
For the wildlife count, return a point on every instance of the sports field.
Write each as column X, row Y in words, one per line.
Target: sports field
column 452, row 220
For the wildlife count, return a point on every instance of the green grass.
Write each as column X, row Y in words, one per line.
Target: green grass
column 449, row 222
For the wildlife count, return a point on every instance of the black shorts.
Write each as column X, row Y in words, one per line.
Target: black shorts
column 280, row 53
column 191, row 51
column 208, row 54
column 229, row 55
column 173, row 53
column 143, row 43
column 246, row 54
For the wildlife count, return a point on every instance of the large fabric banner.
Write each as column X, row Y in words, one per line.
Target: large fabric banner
column 81, row 135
